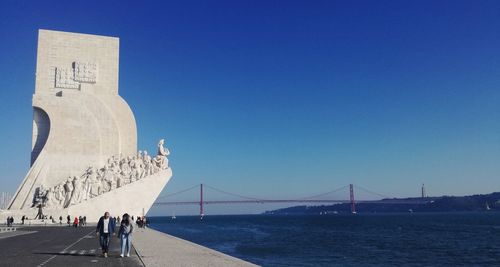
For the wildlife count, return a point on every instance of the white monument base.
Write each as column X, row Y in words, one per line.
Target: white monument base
column 135, row 199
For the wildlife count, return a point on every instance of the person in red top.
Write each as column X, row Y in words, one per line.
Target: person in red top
column 75, row 223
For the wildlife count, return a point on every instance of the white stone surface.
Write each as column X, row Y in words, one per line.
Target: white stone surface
column 79, row 120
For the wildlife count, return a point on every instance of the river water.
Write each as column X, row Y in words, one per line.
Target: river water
column 444, row 239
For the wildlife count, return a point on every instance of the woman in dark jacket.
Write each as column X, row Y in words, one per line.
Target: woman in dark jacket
column 125, row 234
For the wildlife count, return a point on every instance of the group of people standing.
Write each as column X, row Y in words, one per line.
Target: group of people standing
column 79, row 221
column 10, row 219
column 106, row 229
column 141, row 221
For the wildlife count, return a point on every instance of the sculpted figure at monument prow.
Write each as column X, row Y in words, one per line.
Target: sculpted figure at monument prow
column 161, row 158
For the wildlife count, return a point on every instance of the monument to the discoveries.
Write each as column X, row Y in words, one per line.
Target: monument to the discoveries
column 84, row 159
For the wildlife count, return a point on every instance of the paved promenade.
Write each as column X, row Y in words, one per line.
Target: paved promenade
column 68, row 246
column 159, row 249
column 59, row 246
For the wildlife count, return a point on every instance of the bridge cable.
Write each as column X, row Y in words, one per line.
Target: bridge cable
column 232, row 194
column 178, row 192
column 323, row 194
column 372, row 192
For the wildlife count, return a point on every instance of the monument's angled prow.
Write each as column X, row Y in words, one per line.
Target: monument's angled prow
column 84, row 159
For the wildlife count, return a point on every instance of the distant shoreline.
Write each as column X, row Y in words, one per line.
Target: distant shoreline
column 267, row 213
column 472, row 203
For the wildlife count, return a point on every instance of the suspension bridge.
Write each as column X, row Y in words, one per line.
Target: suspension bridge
column 319, row 198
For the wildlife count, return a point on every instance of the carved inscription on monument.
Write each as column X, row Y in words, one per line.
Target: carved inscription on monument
column 64, row 79
column 80, row 72
column 85, row 72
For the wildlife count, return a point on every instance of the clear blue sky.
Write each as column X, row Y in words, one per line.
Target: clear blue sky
column 286, row 98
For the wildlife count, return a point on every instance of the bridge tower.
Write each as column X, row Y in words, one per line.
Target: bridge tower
column 353, row 205
column 423, row 191
column 201, row 201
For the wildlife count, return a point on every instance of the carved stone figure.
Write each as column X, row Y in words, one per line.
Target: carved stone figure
column 161, row 159
column 95, row 185
column 60, row 195
column 140, row 167
column 148, row 168
column 57, row 195
column 119, row 181
column 77, row 191
column 125, row 171
column 68, row 190
column 86, row 184
column 39, row 197
column 93, row 182
column 50, row 198
column 106, row 180
column 114, row 171
column 113, row 182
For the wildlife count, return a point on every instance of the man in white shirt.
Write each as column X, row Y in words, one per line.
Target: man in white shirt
column 105, row 228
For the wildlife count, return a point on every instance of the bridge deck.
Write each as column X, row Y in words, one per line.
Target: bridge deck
column 262, row 201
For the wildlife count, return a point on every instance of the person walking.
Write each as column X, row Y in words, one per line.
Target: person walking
column 75, row 222
column 69, row 220
column 125, row 234
column 138, row 222
column 60, row 220
column 105, row 228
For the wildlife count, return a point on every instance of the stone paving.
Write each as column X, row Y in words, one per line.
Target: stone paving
column 158, row 249
column 60, row 246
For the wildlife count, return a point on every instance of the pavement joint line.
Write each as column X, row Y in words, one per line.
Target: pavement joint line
column 139, row 255
column 74, row 243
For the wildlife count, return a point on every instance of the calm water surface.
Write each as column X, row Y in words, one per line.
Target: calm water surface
column 447, row 239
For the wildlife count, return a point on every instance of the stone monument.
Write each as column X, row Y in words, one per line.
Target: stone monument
column 84, row 158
